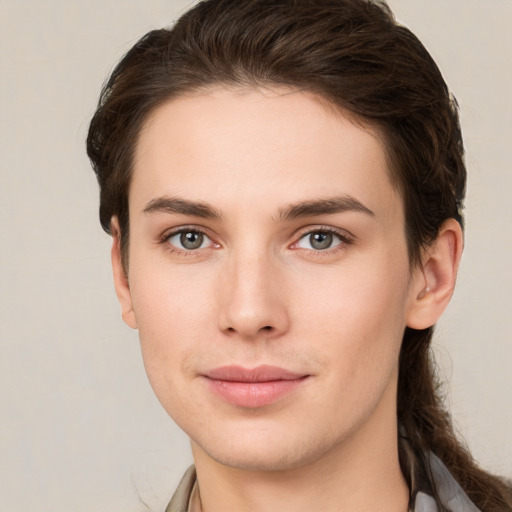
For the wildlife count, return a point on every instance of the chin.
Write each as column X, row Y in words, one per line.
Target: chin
column 262, row 459
column 258, row 451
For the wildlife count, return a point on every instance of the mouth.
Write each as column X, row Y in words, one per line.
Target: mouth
column 253, row 388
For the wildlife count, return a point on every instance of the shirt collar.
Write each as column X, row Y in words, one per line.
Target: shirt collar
column 430, row 482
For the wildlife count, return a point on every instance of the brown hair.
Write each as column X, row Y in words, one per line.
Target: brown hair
column 354, row 54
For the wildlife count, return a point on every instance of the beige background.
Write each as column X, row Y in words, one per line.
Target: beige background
column 80, row 429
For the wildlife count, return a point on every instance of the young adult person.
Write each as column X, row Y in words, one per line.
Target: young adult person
column 283, row 181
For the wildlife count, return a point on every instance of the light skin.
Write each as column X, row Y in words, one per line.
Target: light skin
column 264, row 230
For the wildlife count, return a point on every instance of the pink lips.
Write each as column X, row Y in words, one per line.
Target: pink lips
column 252, row 388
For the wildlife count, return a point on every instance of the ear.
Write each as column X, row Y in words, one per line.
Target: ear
column 121, row 283
column 434, row 280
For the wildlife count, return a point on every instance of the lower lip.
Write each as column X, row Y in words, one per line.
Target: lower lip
column 253, row 394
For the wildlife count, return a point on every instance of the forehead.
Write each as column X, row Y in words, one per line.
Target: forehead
column 229, row 146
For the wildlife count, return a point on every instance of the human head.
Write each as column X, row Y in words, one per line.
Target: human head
column 350, row 53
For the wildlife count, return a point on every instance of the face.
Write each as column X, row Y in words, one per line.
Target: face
column 268, row 274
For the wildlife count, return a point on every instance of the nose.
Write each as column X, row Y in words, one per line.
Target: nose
column 252, row 298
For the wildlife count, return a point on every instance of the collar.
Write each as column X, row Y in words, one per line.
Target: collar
column 427, row 477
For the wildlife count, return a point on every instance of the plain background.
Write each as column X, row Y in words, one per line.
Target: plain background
column 80, row 428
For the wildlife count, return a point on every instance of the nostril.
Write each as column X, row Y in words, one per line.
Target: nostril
column 267, row 328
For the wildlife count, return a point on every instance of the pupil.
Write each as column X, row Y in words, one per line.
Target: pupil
column 321, row 240
column 191, row 240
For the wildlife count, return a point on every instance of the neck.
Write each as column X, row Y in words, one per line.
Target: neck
column 362, row 473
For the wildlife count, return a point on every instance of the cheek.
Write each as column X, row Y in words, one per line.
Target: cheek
column 176, row 322
column 356, row 298
column 173, row 312
column 357, row 316
column 166, row 298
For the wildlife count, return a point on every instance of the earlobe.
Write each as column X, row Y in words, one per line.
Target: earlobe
column 121, row 283
column 434, row 280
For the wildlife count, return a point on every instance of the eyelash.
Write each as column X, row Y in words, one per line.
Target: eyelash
column 345, row 240
column 164, row 240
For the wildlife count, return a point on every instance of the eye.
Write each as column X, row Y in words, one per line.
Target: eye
column 188, row 240
column 320, row 240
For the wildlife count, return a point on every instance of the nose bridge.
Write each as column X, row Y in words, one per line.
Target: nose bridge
column 251, row 301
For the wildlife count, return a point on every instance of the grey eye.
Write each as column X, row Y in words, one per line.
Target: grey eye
column 319, row 240
column 189, row 240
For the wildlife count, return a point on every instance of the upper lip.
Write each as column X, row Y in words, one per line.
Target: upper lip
column 264, row 373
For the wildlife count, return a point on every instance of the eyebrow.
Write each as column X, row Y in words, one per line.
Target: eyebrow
column 327, row 206
column 167, row 204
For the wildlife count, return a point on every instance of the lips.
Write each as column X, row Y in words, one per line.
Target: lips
column 253, row 388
